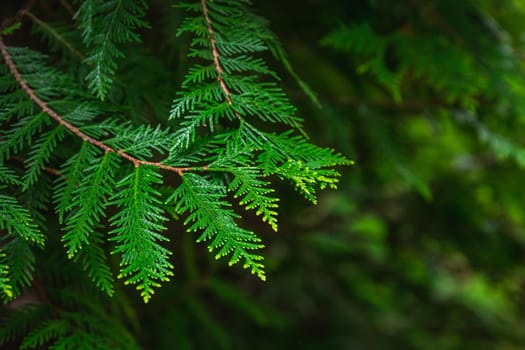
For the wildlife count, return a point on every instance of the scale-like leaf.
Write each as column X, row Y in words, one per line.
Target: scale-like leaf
column 255, row 193
column 17, row 259
column 205, row 203
column 137, row 231
column 6, row 290
column 72, row 173
column 88, row 202
column 40, row 154
column 106, row 26
column 94, row 260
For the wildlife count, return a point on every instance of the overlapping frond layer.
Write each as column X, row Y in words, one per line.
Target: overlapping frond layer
column 16, row 254
column 235, row 83
column 236, row 87
column 93, row 157
column 85, row 182
column 89, row 199
column 203, row 199
column 436, row 61
column 106, row 26
column 71, row 320
column 254, row 193
column 21, row 235
column 137, row 231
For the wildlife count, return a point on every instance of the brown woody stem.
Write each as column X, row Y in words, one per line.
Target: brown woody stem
column 215, row 52
column 43, row 105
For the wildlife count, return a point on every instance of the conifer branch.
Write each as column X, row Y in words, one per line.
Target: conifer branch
column 43, row 105
column 215, row 51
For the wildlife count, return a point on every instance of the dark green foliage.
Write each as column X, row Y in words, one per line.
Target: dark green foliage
column 106, row 26
column 65, row 318
column 87, row 201
column 21, row 233
column 87, row 183
column 236, row 36
column 79, row 157
column 209, row 211
column 137, row 229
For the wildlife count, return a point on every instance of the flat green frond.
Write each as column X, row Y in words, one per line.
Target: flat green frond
column 96, row 135
column 6, row 290
column 198, row 74
column 254, row 194
column 87, row 183
column 234, row 75
column 42, row 335
column 16, row 255
column 137, row 231
column 18, row 222
column 83, row 113
column 278, row 149
column 94, row 261
column 181, row 155
column 40, row 153
column 72, row 171
column 68, row 320
column 268, row 105
column 15, row 323
column 204, row 202
column 141, row 141
column 88, row 202
column 20, row 260
column 194, row 98
column 21, row 134
column 106, row 27
column 307, row 180
column 234, row 157
column 244, row 63
column 249, row 45
column 199, row 123
column 85, row 16
column 231, row 152
column 8, row 176
column 185, row 136
column 60, row 37
column 14, row 104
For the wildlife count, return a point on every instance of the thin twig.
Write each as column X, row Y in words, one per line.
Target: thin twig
column 43, row 105
column 53, row 32
column 215, row 51
column 18, row 16
column 47, row 169
column 68, row 7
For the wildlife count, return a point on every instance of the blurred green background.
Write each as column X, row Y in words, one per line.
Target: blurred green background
column 423, row 245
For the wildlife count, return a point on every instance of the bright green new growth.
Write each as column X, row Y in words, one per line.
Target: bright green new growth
column 209, row 211
column 222, row 143
column 137, row 229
